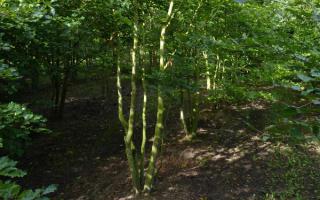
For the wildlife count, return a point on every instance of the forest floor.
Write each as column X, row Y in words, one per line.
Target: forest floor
column 228, row 160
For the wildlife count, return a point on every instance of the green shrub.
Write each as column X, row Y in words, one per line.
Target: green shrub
column 17, row 123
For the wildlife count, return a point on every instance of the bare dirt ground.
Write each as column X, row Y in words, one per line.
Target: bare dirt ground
column 84, row 154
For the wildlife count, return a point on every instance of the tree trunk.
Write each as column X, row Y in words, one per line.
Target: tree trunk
column 218, row 65
column 122, row 119
column 182, row 113
column 130, row 148
column 160, row 109
column 144, row 117
column 208, row 74
column 64, row 90
column 196, row 103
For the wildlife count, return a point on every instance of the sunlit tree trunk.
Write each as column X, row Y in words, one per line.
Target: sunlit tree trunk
column 215, row 76
column 160, row 109
column 144, row 116
column 189, row 101
column 196, row 102
column 122, row 119
column 223, row 69
column 130, row 147
column 182, row 113
column 208, row 74
column 131, row 151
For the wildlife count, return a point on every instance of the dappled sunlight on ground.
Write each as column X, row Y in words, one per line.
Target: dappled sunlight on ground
column 227, row 160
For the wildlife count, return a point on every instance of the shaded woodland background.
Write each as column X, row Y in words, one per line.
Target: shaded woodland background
column 152, row 99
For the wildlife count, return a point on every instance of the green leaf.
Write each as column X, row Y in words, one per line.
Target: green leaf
column 8, row 168
column 49, row 189
column 9, row 190
column 307, row 92
column 29, row 195
column 304, row 78
column 315, row 73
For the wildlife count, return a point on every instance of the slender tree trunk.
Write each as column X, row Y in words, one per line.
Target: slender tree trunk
column 114, row 55
column 122, row 119
column 130, row 148
column 216, row 72
column 151, row 63
column 57, row 94
column 144, row 116
column 208, row 74
column 189, row 108
column 57, row 85
column 160, row 109
column 64, row 89
column 223, row 70
column 196, row 103
column 182, row 114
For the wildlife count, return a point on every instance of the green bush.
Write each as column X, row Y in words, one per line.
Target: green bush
column 234, row 94
column 297, row 122
column 17, row 123
column 11, row 190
